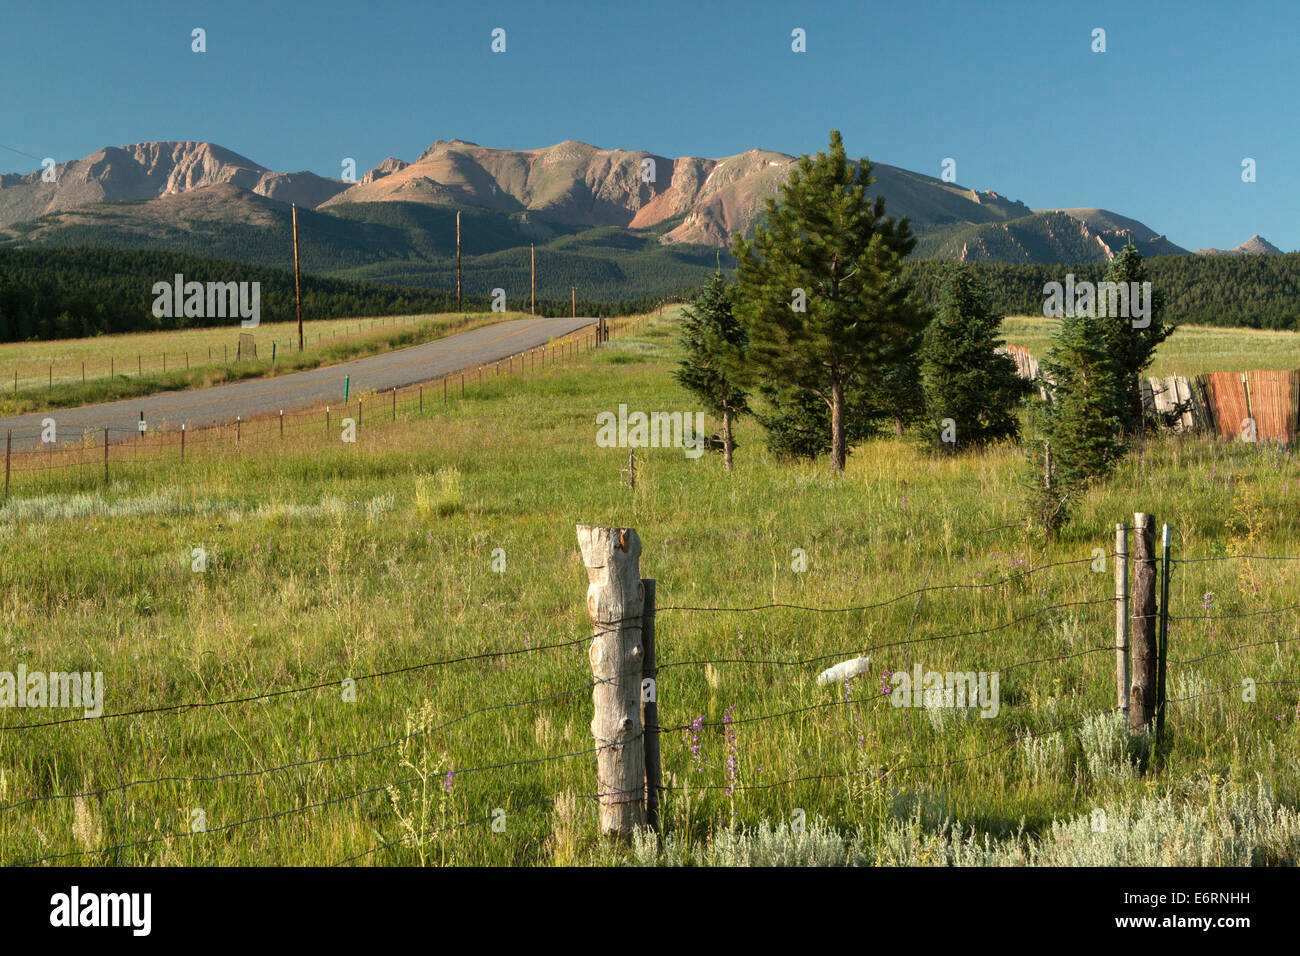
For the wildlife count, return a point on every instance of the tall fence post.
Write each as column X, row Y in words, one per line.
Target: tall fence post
column 615, row 600
column 9, row 444
column 1121, row 619
column 1164, row 634
column 1142, row 697
column 182, row 441
column 105, row 456
column 650, row 706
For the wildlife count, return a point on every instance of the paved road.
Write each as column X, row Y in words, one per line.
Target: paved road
column 221, row 404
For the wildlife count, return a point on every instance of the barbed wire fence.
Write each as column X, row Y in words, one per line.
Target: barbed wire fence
column 626, row 676
column 103, row 451
column 33, row 374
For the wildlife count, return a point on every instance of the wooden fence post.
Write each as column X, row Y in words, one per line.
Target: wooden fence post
column 9, row 442
column 106, row 456
column 182, row 441
column 1142, row 696
column 1121, row 618
column 282, row 423
column 614, row 602
column 394, row 403
column 650, row 706
column 1164, row 635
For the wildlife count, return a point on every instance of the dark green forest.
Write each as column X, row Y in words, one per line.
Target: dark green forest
column 1261, row 292
column 56, row 292
column 74, row 292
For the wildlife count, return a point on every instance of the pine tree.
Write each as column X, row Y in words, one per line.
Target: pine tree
column 1080, row 428
column 714, row 344
column 798, row 422
column 965, row 379
column 1133, row 347
column 819, row 288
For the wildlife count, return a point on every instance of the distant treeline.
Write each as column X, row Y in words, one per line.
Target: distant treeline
column 1261, row 292
column 52, row 293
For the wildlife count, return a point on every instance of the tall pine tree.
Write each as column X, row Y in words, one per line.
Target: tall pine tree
column 1079, row 430
column 1132, row 346
column 714, row 344
column 964, row 377
column 819, row 287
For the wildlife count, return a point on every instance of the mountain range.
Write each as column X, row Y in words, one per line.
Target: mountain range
column 601, row 214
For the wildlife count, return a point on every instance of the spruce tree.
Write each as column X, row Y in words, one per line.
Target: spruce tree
column 798, row 422
column 964, row 378
column 714, row 344
column 819, row 287
column 1133, row 347
column 1079, row 438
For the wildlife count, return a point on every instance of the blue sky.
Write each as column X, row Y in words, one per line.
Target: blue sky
column 1155, row 128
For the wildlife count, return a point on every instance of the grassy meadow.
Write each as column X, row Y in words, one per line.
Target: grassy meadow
column 328, row 561
column 1193, row 350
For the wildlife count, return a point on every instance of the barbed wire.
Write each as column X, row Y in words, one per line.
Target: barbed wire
column 1235, row 647
column 298, row 764
column 267, row 695
column 184, row 834
column 864, row 650
column 1227, row 690
column 889, row 601
column 1225, row 617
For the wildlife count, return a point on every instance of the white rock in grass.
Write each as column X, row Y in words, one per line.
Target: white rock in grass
column 845, row 671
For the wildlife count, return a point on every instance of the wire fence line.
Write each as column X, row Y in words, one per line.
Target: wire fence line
column 1017, row 736
column 33, row 374
column 105, row 446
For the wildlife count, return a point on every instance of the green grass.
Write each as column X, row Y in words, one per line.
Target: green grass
column 1192, row 350
column 325, row 343
column 328, row 560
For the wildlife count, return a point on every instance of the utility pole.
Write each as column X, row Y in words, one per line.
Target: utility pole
column 573, row 291
column 532, row 251
column 458, row 260
column 297, row 282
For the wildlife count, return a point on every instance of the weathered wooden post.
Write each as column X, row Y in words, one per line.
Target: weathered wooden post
column 9, row 443
column 1142, row 697
column 1162, row 665
column 650, row 705
column 615, row 598
column 1121, row 618
column 106, row 456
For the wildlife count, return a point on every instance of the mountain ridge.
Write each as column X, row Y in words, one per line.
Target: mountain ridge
column 546, row 191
